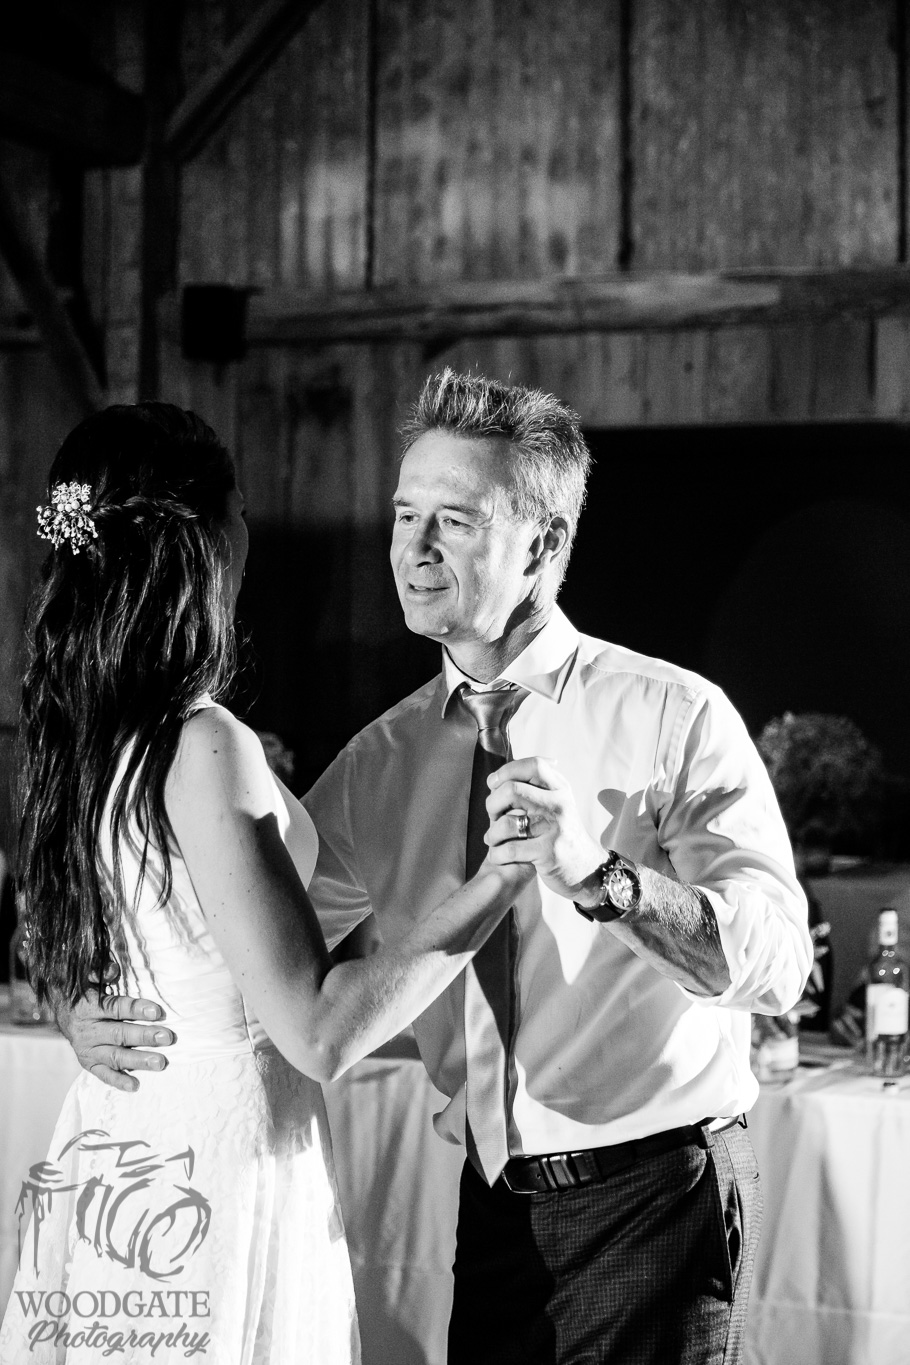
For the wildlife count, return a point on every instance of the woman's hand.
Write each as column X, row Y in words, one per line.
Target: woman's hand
column 513, row 876
column 534, row 818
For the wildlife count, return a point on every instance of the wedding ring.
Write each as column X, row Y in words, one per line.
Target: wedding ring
column 524, row 823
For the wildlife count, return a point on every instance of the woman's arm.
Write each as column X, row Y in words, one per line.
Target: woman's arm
column 221, row 804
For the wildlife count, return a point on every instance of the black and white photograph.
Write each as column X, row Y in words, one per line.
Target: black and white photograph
column 454, row 658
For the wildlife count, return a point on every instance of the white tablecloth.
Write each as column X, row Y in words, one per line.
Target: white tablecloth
column 36, row 1070
column 398, row 1184
column 832, row 1283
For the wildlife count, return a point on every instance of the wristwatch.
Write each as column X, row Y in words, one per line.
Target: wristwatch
column 620, row 890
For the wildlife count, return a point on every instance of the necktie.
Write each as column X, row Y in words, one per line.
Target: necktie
column 489, row 978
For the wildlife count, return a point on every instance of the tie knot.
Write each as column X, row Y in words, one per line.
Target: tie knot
column 492, row 710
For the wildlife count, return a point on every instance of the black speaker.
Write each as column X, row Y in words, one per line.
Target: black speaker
column 213, row 322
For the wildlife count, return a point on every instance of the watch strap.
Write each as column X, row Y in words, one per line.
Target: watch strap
column 608, row 907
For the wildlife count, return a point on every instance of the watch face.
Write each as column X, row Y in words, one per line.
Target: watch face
column 623, row 888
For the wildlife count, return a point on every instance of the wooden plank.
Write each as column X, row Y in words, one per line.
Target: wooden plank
column 674, row 386
column 96, row 243
column 41, row 297
column 12, row 532
column 124, row 285
column 892, row 368
column 738, row 374
column 279, row 194
column 113, row 206
column 78, row 113
column 623, row 302
column 496, row 139
column 763, row 134
column 792, row 373
column 622, row 398
column 843, row 377
column 261, row 179
column 253, row 49
column 205, row 206
column 160, row 184
column 36, row 412
column 26, row 174
column 18, row 331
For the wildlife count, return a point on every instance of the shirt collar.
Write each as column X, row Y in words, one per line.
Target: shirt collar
column 542, row 667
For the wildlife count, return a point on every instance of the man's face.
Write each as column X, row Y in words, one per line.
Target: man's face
column 461, row 560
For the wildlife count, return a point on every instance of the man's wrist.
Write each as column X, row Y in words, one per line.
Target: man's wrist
column 612, row 892
column 590, row 893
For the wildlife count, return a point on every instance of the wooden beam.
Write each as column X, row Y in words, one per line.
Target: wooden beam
column 160, row 183
column 613, row 303
column 87, row 116
column 257, row 44
column 17, row 333
column 41, row 297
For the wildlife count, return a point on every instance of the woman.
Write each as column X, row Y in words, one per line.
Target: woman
column 199, row 1215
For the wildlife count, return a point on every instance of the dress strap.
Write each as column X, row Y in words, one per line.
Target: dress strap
column 200, row 704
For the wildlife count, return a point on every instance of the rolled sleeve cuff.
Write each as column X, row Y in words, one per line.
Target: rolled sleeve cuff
column 765, row 940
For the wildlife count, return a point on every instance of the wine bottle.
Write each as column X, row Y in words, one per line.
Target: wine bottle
column 887, row 1002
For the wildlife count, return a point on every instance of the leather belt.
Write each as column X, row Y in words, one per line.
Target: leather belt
column 568, row 1170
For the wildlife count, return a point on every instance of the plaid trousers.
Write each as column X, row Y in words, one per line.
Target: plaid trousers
column 651, row 1267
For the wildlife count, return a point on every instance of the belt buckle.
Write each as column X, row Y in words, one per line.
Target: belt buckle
column 559, row 1171
column 568, row 1170
column 543, row 1187
column 586, row 1168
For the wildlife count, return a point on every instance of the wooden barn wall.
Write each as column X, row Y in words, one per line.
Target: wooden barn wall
column 764, row 133
column 398, row 142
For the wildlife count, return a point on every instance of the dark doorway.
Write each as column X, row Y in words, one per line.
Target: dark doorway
column 773, row 560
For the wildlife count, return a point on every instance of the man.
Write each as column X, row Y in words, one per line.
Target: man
column 596, row 1056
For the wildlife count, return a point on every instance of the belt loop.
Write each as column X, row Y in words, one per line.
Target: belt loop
column 705, row 1137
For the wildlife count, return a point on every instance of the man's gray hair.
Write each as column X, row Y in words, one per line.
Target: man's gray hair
column 553, row 459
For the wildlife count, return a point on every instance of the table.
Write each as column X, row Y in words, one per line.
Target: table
column 398, row 1184
column 832, row 1284
column 832, row 1281
column 37, row 1068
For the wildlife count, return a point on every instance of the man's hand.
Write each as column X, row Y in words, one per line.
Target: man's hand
column 562, row 850
column 99, row 1031
column 674, row 928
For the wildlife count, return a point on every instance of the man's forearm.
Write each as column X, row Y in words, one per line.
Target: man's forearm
column 675, row 930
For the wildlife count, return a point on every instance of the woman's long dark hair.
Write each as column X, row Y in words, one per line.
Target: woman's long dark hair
column 122, row 639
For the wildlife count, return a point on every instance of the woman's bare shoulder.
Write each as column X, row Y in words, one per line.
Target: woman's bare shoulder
column 217, row 756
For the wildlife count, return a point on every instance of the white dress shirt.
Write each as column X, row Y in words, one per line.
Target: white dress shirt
column 604, row 1047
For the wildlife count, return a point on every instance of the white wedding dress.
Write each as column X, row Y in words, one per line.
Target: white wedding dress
column 197, row 1218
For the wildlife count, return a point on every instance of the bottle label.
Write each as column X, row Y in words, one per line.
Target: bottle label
column 886, row 1010
column 887, row 928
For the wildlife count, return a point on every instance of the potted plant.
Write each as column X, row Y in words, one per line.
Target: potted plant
column 828, row 779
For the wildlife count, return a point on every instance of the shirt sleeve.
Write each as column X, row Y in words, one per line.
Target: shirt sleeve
column 723, row 831
column 336, row 888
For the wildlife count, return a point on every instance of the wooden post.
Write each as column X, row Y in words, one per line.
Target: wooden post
column 160, row 184
column 43, row 300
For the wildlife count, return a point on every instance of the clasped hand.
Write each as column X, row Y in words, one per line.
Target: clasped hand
column 108, row 1032
column 557, row 843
